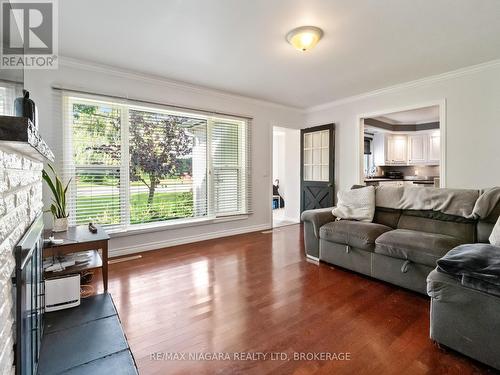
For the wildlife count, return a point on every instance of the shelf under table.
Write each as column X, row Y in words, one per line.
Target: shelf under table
column 94, row 262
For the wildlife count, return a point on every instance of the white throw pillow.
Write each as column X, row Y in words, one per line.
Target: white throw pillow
column 495, row 234
column 356, row 204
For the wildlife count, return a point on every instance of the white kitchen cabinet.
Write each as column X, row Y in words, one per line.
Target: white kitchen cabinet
column 378, row 144
column 390, row 149
column 434, row 148
column 397, row 153
column 418, row 148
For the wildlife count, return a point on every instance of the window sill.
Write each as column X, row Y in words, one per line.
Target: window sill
column 149, row 228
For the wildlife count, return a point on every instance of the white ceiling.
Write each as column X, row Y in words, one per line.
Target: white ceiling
column 239, row 45
column 411, row 117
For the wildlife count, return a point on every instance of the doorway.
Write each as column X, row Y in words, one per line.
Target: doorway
column 286, row 177
column 317, row 167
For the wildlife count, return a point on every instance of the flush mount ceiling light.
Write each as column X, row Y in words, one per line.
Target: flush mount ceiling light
column 304, row 38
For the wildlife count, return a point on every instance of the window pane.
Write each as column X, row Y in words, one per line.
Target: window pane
column 308, row 156
column 96, row 134
column 324, row 156
column 167, row 167
column 96, row 149
column 308, row 140
column 316, row 157
column 308, row 172
column 316, row 173
column 226, row 190
column 229, row 174
column 97, row 196
column 316, row 139
column 324, row 173
column 325, row 135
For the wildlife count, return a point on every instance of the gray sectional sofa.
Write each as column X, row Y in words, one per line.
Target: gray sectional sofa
column 400, row 246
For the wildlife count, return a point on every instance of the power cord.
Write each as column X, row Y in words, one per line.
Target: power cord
column 86, row 290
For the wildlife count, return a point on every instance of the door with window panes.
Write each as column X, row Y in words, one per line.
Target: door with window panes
column 317, row 167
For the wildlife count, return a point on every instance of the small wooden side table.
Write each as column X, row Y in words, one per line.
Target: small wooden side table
column 77, row 239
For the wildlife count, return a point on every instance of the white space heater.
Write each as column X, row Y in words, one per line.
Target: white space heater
column 62, row 292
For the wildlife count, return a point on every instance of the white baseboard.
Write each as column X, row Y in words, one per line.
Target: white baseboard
column 115, row 252
column 292, row 219
column 312, row 259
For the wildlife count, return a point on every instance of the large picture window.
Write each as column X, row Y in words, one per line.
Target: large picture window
column 132, row 165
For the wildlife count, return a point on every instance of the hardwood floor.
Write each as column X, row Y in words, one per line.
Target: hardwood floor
column 257, row 293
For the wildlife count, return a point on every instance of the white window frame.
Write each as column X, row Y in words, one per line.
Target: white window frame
column 125, row 227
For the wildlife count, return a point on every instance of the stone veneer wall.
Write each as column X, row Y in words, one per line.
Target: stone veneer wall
column 20, row 203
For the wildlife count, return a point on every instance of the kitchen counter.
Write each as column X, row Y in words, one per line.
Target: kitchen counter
column 417, row 180
column 427, row 181
column 376, row 179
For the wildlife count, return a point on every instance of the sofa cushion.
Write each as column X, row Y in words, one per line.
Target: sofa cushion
column 495, row 234
column 357, row 204
column 419, row 247
column 387, row 216
column 359, row 234
column 477, row 265
column 420, row 221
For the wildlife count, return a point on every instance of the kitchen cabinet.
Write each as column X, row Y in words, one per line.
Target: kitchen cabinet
column 417, row 148
column 390, row 149
column 378, row 145
column 434, row 145
column 396, row 150
column 424, row 148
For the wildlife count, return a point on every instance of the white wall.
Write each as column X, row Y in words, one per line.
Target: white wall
column 286, row 168
column 472, row 123
column 105, row 80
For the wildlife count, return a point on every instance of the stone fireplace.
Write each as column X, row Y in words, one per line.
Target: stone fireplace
column 20, row 203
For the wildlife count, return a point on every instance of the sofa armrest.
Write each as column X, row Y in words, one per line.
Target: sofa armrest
column 318, row 218
column 313, row 221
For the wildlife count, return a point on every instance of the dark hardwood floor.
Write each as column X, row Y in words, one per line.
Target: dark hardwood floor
column 257, row 293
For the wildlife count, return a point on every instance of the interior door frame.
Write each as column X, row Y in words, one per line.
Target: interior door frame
column 331, row 171
column 441, row 103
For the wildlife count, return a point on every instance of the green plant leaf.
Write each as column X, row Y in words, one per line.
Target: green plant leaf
column 49, row 182
column 58, row 208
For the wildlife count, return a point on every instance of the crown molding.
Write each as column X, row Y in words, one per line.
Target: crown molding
column 149, row 78
column 159, row 80
column 410, row 84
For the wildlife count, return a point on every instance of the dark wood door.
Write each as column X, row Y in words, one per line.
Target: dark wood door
column 317, row 161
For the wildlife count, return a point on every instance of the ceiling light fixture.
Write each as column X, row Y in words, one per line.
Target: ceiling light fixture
column 304, row 38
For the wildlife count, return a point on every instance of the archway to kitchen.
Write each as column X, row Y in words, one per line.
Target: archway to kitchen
column 404, row 146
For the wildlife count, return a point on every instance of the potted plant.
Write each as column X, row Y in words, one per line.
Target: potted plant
column 58, row 207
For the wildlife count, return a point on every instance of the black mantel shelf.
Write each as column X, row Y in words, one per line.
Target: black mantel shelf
column 18, row 134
